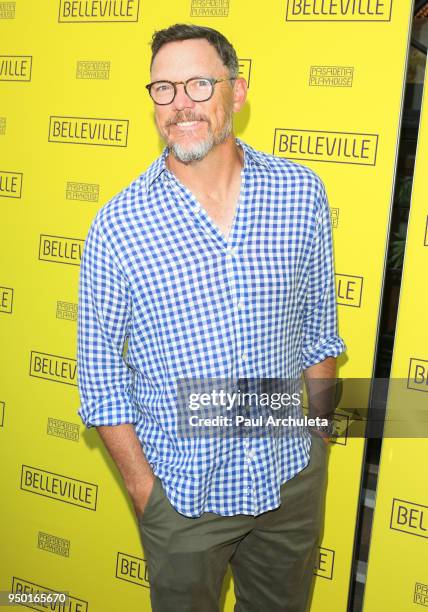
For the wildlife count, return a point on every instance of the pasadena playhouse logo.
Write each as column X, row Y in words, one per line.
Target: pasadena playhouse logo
column 53, row 544
column 72, row 11
column 132, row 569
column 338, row 10
column 2, row 126
column 209, row 8
column 85, row 192
column 54, row 368
column 10, row 184
column 331, row 76
column 66, row 310
column 7, row 10
column 63, row 429
column 88, row 131
column 420, row 595
column 58, row 600
column 59, row 487
column 15, row 67
column 325, row 146
column 6, row 300
column 93, row 70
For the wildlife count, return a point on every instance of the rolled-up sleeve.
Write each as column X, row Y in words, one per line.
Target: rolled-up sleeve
column 320, row 337
column 104, row 315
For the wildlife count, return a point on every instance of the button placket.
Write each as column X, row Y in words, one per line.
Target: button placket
column 231, row 263
column 187, row 201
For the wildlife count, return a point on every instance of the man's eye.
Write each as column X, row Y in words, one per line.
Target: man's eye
column 199, row 83
column 160, row 87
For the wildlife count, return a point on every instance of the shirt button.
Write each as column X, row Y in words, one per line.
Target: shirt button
column 244, row 356
column 240, row 304
column 251, row 454
column 197, row 209
column 230, row 251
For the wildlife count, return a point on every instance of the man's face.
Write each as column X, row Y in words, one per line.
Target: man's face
column 191, row 129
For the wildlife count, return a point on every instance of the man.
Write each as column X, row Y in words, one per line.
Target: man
column 216, row 263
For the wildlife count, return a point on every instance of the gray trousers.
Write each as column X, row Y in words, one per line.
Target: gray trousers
column 272, row 556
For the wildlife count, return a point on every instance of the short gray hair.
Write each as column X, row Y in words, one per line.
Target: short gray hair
column 182, row 31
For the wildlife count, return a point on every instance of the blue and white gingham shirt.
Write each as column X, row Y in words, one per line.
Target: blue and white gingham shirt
column 157, row 271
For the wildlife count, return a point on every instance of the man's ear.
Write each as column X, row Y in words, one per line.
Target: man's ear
column 239, row 94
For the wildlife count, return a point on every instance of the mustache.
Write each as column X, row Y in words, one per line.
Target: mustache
column 186, row 117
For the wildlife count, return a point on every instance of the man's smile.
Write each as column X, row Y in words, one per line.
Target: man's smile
column 187, row 123
column 187, row 126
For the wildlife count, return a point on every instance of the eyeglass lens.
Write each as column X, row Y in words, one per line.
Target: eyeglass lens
column 197, row 89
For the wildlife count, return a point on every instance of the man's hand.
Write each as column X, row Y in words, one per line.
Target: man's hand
column 321, row 434
column 326, row 438
column 125, row 448
column 320, row 380
column 141, row 493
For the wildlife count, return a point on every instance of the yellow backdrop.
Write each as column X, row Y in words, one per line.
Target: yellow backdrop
column 398, row 568
column 77, row 126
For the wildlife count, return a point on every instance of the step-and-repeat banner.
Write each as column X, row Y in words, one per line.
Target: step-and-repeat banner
column 398, row 562
column 76, row 126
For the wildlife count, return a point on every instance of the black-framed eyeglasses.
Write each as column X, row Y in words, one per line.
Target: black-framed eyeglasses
column 199, row 89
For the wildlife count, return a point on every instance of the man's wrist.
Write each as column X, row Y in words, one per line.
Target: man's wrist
column 326, row 430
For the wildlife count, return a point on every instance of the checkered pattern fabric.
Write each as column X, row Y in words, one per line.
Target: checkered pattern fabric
column 158, row 276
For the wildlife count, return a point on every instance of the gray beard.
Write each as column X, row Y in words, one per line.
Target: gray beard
column 201, row 149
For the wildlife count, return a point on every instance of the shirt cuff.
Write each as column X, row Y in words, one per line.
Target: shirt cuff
column 108, row 411
column 327, row 347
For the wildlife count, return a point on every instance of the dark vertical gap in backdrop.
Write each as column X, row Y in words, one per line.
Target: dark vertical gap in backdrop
column 389, row 302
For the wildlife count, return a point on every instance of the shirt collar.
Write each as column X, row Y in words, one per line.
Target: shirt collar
column 158, row 167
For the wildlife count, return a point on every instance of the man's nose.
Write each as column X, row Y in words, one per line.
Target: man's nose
column 181, row 99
